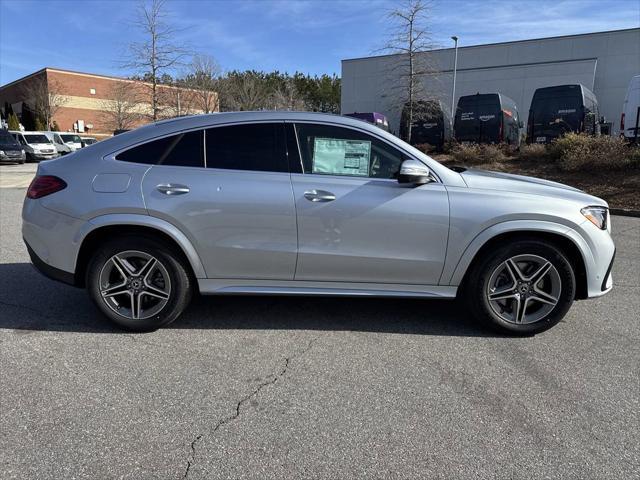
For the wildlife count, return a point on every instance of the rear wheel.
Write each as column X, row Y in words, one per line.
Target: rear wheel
column 139, row 283
column 522, row 289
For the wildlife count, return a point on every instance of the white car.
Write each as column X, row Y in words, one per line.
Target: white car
column 630, row 119
column 88, row 140
column 36, row 145
column 71, row 139
column 57, row 141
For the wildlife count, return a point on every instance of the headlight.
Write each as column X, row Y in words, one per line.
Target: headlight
column 1, row 152
column 599, row 216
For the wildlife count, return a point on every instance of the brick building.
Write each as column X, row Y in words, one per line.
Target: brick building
column 93, row 104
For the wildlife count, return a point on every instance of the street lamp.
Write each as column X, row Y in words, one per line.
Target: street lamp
column 455, row 69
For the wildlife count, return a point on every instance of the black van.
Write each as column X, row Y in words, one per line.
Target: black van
column 10, row 150
column 487, row 118
column 431, row 123
column 562, row 109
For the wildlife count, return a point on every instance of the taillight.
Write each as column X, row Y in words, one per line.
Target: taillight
column 622, row 123
column 44, row 185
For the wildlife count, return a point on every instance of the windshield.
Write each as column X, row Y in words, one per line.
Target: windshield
column 6, row 138
column 36, row 138
column 71, row 138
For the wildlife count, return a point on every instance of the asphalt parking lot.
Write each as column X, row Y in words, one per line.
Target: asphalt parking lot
column 266, row 387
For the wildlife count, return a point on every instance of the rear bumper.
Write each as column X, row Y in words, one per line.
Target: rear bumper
column 49, row 271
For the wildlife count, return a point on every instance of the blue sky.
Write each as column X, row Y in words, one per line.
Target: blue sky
column 287, row 35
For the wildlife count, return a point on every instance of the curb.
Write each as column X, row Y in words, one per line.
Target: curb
column 625, row 212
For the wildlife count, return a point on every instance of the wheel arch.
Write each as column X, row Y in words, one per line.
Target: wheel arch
column 103, row 228
column 566, row 240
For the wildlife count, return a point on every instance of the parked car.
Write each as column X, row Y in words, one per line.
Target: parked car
column 630, row 119
column 378, row 119
column 88, row 141
column 487, row 118
column 10, row 149
column 72, row 139
column 61, row 147
column 558, row 110
column 307, row 204
column 431, row 123
column 36, row 146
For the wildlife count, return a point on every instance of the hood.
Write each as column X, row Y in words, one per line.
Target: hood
column 508, row 182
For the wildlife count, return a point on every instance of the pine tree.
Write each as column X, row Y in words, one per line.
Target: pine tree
column 40, row 125
column 55, row 127
column 14, row 123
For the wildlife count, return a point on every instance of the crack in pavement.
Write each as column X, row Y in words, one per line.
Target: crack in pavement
column 273, row 378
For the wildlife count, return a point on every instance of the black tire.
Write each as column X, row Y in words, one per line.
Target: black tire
column 476, row 287
column 181, row 283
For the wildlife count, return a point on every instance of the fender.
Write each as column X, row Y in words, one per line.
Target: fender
column 453, row 274
column 140, row 220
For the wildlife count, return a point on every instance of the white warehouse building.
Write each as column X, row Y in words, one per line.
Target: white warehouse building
column 604, row 62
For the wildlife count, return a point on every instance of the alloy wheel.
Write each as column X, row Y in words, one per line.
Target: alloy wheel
column 524, row 289
column 135, row 285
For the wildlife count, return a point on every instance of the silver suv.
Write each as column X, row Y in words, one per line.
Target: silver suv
column 307, row 204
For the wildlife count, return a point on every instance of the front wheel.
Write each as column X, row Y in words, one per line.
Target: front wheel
column 521, row 289
column 139, row 283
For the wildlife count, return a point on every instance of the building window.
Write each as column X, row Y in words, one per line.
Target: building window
column 92, row 91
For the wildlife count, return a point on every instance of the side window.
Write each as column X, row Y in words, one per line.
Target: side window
column 182, row 150
column 329, row 150
column 258, row 147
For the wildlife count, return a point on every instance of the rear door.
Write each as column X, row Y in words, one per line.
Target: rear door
column 356, row 223
column 228, row 189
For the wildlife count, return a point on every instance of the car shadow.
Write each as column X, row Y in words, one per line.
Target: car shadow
column 31, row 302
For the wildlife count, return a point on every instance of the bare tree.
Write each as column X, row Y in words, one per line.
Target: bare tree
column 157, row 54
column 45, row 97
column 245, row 92
column 287, row 97
column 203, row 79
column 409, row 37
column 124, row 107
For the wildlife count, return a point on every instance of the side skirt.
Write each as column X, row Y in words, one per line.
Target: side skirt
column 230, row 286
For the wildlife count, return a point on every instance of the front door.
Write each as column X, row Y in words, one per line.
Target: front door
column 356, row 223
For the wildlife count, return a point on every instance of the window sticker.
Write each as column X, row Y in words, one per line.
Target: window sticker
column 341, row 157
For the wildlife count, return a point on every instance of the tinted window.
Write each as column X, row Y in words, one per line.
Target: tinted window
column 332, row 150
column 183, row 150
column 258, row 147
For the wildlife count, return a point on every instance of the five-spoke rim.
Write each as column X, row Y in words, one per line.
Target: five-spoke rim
column 135, row 285
column 524, row 289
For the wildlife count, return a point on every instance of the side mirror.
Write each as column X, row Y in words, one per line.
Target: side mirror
column 415, row 172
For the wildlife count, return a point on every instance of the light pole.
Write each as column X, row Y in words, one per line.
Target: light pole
column 455, row 70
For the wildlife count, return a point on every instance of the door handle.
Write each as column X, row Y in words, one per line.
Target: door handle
column 319, row 196
column 172, row 189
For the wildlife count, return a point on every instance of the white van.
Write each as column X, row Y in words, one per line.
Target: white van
column 36, row 145
column 57, row 141
column 630, row 118
column 71, row 139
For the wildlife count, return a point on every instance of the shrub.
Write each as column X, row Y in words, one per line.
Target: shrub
column 533, row 151
column 574, row 152
column 425, row 148
column 478, row 154
column 55, row 127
